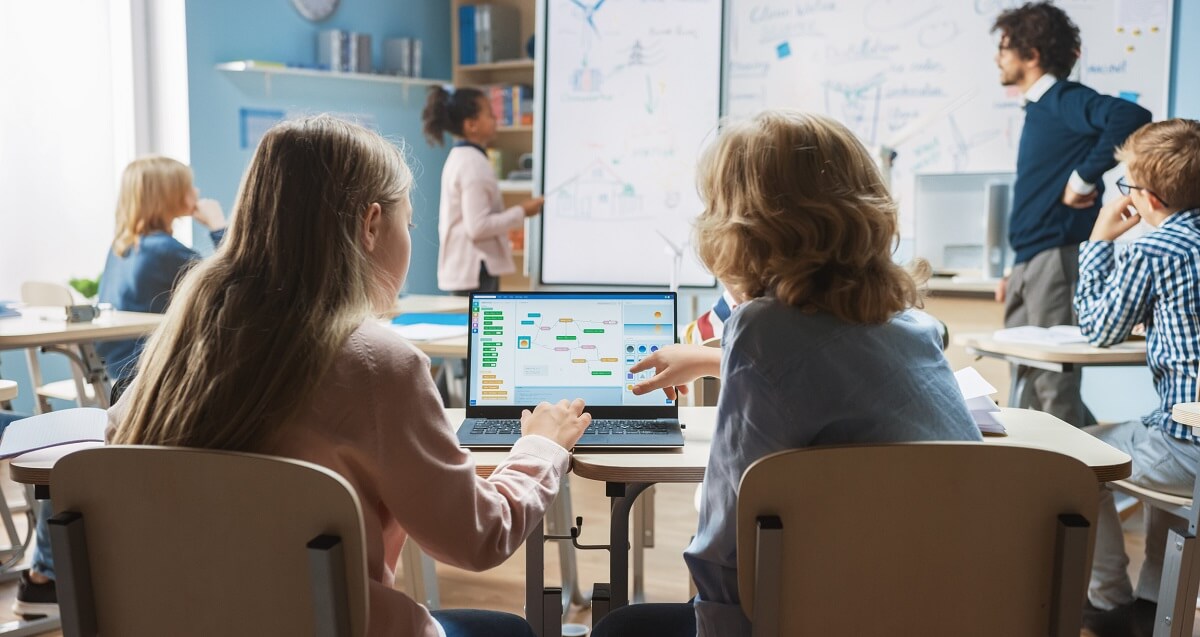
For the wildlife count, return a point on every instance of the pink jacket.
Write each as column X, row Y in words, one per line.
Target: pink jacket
column 473, row 224
column 377, row 420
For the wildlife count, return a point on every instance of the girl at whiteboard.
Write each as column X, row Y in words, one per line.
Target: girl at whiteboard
column 473, row 223
column 798, row 226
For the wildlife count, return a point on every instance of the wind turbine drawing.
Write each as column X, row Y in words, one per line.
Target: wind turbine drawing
column 589, row 13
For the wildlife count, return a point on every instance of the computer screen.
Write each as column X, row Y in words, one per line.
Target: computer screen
column 533, row 347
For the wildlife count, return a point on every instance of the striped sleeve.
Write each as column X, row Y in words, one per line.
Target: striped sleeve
column 1113, row 293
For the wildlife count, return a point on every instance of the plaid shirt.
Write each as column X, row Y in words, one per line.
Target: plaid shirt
column 1156, row 281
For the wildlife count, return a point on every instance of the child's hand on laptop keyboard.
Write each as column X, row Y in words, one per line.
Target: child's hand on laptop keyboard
column 562, row 422
column 675, row 366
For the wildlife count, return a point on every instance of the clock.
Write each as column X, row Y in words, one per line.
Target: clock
column 316, row 10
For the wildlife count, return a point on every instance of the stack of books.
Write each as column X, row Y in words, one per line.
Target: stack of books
column 512, row 104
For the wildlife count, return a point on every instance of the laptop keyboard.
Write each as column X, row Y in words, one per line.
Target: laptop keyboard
column 598, row 427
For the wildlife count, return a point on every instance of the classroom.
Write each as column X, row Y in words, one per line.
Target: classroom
column 600, row 317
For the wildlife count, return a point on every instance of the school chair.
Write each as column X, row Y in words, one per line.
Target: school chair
column 54, row 295
column 934, row 539
column 1180, row 583
column 188, row 542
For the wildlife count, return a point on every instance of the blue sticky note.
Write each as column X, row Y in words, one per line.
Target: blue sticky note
column 1129, row 96
column 783, row 50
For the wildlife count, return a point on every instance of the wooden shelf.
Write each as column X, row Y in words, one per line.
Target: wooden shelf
column 506, row 65
column 248, row 76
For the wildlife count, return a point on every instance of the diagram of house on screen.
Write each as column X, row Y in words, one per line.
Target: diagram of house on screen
column 599, row 194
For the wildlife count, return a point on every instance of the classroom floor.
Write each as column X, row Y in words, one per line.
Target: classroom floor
column 502, row 588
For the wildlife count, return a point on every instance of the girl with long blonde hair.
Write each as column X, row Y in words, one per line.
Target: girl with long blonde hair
column 145, row 261
column 272, row 346
column 824, row 347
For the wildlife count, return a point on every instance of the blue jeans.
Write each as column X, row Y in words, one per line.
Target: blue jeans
column 482, row 623
column 1162, row 463
column 43, row 559
column 649, row 620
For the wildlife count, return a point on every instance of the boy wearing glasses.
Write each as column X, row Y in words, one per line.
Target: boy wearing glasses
column 1066, row 144
column 1156, row 281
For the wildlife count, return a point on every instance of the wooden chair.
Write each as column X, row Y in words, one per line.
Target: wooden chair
column 55, row 295
column 915, row 539
column 189, row 542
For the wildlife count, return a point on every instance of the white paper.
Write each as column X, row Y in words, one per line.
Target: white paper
column 429, row 331
column 53, row 429
column 971, row 384
column 1053, row 336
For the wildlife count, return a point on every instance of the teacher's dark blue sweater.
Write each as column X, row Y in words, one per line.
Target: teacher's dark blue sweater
column 1070, row 128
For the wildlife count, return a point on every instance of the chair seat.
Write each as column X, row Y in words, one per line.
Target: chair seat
column 8, row 389
column 65, row 390
column 1175, row 504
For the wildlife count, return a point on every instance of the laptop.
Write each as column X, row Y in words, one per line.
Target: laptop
column 529, row 347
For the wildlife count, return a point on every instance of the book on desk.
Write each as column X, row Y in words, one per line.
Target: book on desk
column 64, row 427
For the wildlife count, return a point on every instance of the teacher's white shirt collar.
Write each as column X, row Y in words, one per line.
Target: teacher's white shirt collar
column 1040, row 87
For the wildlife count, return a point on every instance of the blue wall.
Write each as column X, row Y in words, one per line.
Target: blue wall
column 225, row 30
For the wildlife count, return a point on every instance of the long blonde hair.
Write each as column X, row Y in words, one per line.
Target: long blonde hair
column 153, row 193
column 254, row 328
column 796, row 208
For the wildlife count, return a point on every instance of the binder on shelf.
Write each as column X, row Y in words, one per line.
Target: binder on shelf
column 497, row 33
column 466, row 35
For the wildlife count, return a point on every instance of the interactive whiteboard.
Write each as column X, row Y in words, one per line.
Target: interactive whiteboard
column 632, row 93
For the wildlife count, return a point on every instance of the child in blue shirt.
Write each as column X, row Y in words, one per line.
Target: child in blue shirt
column 798, row 226
column 145, row 261
column 143, row 265
column 1153, row 281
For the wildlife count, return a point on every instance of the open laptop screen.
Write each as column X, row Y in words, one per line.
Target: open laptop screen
column 532, row 347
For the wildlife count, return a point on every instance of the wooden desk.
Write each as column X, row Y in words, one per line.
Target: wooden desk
column 1060, row 358
column 47, row 328
column 455, row 348
column 8, row 390
column 42, row 326
column 429, row 304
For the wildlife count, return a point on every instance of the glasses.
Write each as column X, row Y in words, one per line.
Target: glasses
column 1125, row 187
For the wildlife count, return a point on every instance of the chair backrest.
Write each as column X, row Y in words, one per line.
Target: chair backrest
column 915, row 539
column 196, row 542
column 43, row 293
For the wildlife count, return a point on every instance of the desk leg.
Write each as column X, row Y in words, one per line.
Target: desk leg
column 623, row 496
column 543, row 606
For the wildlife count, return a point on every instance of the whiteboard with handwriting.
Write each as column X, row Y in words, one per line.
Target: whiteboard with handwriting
column 887, row 67
column 632, row 93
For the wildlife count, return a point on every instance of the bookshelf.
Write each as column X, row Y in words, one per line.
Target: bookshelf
column 511, row 141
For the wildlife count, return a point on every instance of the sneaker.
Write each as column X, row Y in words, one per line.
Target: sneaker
column 1131, row 620
column 35, row 600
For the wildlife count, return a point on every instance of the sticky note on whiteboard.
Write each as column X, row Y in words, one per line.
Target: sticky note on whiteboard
column 783, row 50
column 1129, row 96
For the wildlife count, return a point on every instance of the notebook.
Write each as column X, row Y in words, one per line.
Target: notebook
column 52, row 429
column 529, row 347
